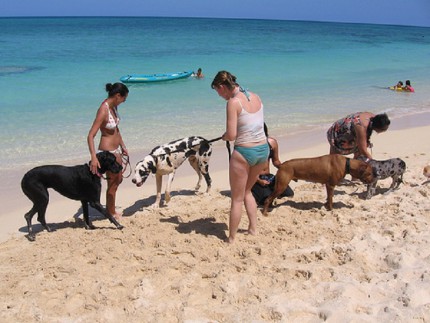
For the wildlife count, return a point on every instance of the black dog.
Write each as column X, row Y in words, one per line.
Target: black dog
column 75, row 182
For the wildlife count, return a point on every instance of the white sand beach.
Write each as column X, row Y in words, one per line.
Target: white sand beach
column 365, row 261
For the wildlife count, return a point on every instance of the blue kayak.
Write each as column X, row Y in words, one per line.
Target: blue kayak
column 147, row 78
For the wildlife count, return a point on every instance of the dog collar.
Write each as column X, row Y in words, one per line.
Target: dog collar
column 348, row 166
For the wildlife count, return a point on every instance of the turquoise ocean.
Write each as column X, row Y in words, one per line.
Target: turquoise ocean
column 53, row 72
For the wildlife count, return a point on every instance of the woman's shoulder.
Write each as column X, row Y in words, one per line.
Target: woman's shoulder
column 365, row 117
column 103, row 109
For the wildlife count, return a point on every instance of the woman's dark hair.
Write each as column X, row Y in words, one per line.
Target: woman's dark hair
column 115, row 88
column 224, row 78
column 266, row 131
column 380, row 122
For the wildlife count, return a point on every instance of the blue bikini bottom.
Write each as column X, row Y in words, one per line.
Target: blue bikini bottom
column 254, row 155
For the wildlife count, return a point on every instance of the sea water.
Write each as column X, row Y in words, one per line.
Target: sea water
column 53, row 73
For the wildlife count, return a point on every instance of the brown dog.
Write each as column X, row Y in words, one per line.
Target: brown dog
column 328, row 170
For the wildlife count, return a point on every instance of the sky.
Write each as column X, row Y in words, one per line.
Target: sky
column 389, row 12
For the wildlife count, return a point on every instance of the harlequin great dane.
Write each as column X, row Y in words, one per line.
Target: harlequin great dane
column 166, row 159
column 394, row 168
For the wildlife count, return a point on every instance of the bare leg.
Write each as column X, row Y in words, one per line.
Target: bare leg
column 250, row 203
column 113, row 182
column 238, row 172
column 242, row 178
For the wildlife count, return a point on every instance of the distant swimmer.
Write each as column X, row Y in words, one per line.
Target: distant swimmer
column 199, row 74
column 397, row 87
column 408, row 87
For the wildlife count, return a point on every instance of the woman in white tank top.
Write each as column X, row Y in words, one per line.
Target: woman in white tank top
column 245, row 126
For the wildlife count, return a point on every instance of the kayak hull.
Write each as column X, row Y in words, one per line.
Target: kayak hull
column 151, row 78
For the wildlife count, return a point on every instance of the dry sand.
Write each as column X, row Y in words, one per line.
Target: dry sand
column 365, row 261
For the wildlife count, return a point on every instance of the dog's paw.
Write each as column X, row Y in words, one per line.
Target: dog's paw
column 31, row 237
column 328, row 206
column 388, row 192
column 154, row 206
column 265, row 211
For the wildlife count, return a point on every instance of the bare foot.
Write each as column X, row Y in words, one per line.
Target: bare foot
column 229, row 240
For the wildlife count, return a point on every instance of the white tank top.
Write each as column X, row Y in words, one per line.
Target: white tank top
column 250, row 126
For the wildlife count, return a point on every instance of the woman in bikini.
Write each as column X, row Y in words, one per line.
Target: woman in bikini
column 245, row 126
column 351, row 135
column 107, row 120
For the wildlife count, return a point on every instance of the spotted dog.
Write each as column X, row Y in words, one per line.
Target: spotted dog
column 383, row 169
column 166, row 159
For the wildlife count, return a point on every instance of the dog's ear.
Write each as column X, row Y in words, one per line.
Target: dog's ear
column 103, row 154
column 108, row 162
column 363, row 168
column 151, row 166
column 375, row 172
column 115, row 167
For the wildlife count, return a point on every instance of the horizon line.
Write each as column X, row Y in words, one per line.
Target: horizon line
column 227, row 18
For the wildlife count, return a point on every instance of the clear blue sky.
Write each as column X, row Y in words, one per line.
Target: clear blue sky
column 395, row 12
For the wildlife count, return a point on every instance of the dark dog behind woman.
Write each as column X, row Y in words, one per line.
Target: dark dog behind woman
column 107, row 120
column 351, row 134
column 266, row 181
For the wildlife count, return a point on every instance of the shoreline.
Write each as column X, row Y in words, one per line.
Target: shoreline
column 294, row 145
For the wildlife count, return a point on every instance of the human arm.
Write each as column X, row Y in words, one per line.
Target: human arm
column 231, row 121
column 361, row 141
column 275, row 149
column 97, row 123
column 262, row 181
column 122, row 144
